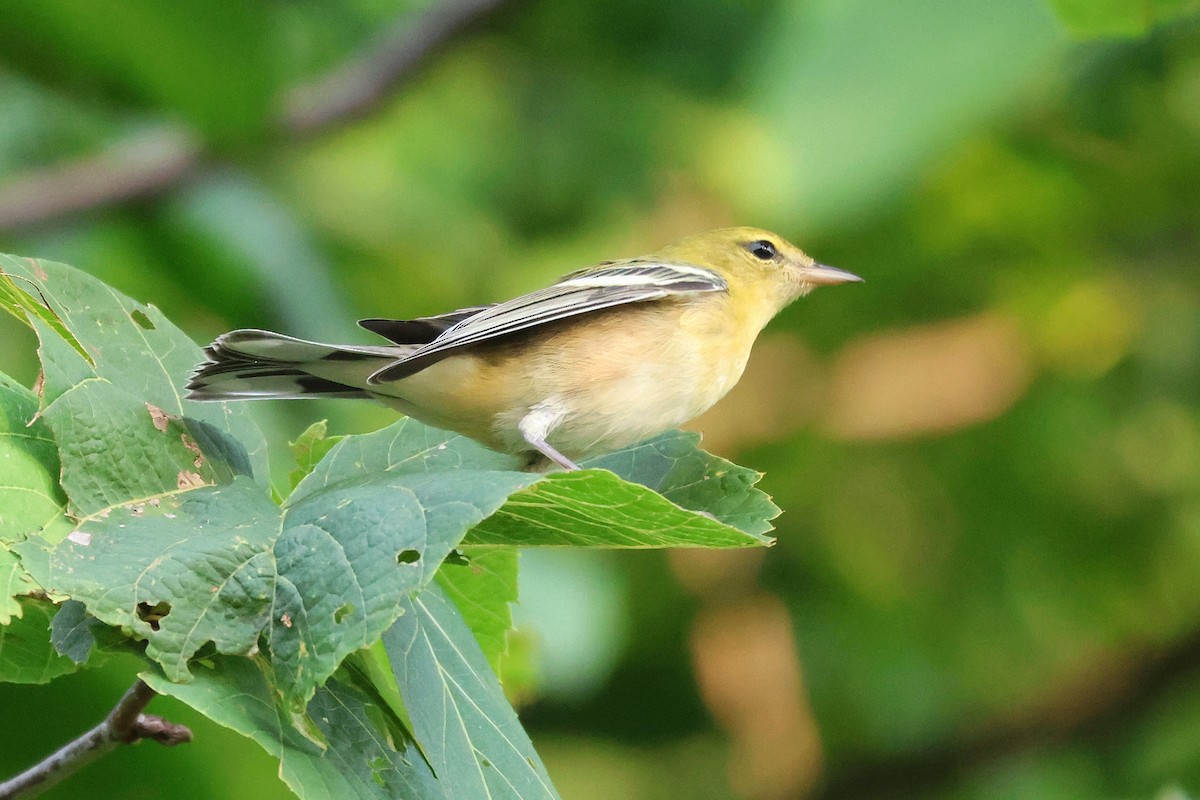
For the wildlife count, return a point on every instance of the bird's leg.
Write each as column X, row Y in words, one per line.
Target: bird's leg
column 535, row 427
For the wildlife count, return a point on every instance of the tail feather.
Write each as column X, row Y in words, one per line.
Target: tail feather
column 248, row 364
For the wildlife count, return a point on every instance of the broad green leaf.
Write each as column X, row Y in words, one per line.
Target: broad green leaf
column 320, row 578
column 358, row 760
column 30, row 499
column 123, row 431
column 674, row 465
column 483, row 588
column 26, row 654
column 1119, row 17
column 595, row 508
column 590, row 508
column 405, row 445
column 470, row 733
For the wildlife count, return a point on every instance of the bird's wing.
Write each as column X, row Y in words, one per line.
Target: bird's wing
column 603, row 286
column 421, row 330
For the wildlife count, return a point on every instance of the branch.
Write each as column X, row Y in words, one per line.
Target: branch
column 125, row 724
column 154, row 162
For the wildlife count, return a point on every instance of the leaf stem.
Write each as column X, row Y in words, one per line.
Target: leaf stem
column 125, row 724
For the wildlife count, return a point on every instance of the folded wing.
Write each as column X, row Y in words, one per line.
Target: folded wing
column 604, row 286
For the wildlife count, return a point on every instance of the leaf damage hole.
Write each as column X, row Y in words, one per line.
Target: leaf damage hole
column 408, row 557
column 142, row 320
column 153, row 614
column 343, row 611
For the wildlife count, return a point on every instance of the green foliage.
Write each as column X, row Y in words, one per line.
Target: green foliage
column 1027, row 577
column 26, row 652
column 457, row 707
column 268, row 617
column 155, row 59
column 1119, row 17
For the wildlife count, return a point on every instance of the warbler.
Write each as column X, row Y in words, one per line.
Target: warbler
column 606, row 357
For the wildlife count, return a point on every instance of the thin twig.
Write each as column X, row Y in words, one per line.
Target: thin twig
column 153, row 162
column 125, row 724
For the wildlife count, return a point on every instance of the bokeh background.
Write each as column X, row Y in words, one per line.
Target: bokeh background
column 987, row 581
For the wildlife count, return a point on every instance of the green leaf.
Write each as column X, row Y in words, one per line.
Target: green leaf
column 30, row 499
column 674, row 465
column 320, row 578
column 309, row 449
column 21, row 305
column 1088, row 18
column 26, row 655
column 459, row 713
column 483, row 588
column 595, row 508
column 116, row 413
column 590, row 508
column 358, row 759
column 14, row 582
column 71, row 631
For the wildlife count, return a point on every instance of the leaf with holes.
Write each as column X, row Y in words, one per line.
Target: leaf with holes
column 317, row 579
column 115, row 410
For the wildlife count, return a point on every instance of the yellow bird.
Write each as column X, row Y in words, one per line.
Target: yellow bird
column 606, row 357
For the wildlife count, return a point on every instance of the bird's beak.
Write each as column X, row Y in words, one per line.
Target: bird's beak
column 821, row 275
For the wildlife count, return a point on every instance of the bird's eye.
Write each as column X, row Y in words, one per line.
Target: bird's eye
column 762, row 249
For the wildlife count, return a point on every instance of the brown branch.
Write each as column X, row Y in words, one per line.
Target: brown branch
column 151, row 163
column 125, row 724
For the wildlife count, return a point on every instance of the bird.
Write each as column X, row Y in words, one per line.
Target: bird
column 604, row 358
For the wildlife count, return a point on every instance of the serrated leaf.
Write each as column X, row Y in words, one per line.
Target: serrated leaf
column 26, row 655
column 674, row 465
column 320, row 578
column 589, row 508
column 470, row 733
column 483, row 588
column 116, row 412
column 358, row 760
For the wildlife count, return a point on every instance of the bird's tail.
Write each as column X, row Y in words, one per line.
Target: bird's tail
column 253, row 364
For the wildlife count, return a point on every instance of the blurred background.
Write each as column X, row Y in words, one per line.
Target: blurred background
column 987, row 580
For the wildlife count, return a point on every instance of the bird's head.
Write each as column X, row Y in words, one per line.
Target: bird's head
column 758, row 259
